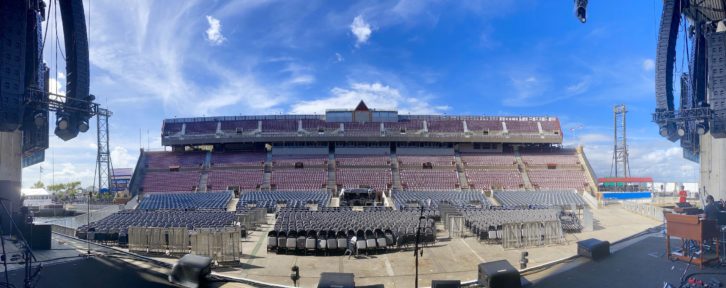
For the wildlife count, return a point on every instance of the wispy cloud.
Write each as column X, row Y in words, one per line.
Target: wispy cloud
column 361, row 29
column 648, row 64
column 378, row 94
column 214, row 32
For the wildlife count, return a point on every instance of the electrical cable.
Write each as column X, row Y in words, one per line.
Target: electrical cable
column 45, row 35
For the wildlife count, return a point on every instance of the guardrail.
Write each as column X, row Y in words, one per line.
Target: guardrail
column 646, row 210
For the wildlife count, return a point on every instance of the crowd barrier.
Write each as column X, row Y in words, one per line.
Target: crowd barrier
column 532, row 234
column 646, row 210
column 222, row 245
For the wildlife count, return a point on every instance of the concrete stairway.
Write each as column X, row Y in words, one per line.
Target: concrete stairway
column 523, row 169
column 463, row 182
column 394, row 170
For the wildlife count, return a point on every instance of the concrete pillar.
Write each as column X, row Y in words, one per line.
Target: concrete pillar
column 10, row 176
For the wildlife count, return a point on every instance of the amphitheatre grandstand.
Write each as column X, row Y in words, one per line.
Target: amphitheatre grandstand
column 307, row 184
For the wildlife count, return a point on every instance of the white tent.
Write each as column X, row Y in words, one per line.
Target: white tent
column 35, row 197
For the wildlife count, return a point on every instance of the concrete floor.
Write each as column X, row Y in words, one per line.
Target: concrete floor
column 447, row 259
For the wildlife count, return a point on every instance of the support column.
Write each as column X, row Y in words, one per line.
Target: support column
column 10, row 176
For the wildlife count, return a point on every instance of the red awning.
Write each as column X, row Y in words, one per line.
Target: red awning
column 625, row 180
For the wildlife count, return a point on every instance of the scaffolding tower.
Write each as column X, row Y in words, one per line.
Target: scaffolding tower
column 104, row 167
column 620, row 166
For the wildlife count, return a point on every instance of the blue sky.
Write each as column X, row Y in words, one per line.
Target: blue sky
column 159, row 59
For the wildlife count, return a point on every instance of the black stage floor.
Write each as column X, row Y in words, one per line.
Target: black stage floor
column 93, row 272
column 641, row 264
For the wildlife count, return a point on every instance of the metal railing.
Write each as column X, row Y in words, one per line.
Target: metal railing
column 644, row 209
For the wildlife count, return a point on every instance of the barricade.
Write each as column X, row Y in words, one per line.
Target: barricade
column 532, row 234
column 646, row 210
column 159, row 240
column 222, row 245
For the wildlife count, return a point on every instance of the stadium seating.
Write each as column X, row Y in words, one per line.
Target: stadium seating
column 109, row 228
column 522, row 126
column 232, row 126
column 429, row 179
column 362, row 160
column 484, row 125
column 179, row 181
column 172, row 128
column 436, row 161
column 198, row 128
column 186, row 201
column 279, row 125
column 379, row 179
column 299, row 179
column 455, row 198
column 238, row 159
column 557, row 179
column 246, row 179
column 563, row 158
column 445, row 125
column 292, row 199
column 166, row 159
column 362, row 129
column 488, row 159
column 306, row 160
column 564, row 199
column 405, row 126
column 494, row 178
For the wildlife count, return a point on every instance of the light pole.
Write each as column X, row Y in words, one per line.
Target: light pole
column 418, row 238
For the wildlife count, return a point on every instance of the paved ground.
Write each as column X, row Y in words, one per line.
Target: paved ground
column 643, row 264
column 447, row 259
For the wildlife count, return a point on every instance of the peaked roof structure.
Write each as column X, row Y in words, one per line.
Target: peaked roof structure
column 361, row 106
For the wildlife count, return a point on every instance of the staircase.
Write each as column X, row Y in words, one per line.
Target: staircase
column 523, row 169
column 463, row 182
column 332, row 180
column 204, row 178
column 268, row 172
column 396, row 176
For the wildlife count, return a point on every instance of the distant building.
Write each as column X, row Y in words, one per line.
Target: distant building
column 121, row 179
column 35, row 197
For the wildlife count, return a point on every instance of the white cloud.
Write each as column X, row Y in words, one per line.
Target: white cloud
column 648, row 64
column 376, row 95
column 579, row 87
column 338, row 57
column 214, row 33
column 361, row 30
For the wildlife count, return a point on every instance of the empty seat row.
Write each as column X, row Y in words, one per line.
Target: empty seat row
column 455, row 198
column 186, row 201
column 539, row 198
column 274, row 199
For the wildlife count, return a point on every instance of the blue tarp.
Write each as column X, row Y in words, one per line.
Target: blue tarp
column 626, row 195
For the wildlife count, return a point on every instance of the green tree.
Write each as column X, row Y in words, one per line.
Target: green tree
column 38, row 185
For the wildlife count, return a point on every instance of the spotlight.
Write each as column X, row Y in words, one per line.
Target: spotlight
column 39, row 119
column 83, row 126
column 581, row 10
column 664, row 131
column 701, row 128
column 62, row 123
column 681, row 131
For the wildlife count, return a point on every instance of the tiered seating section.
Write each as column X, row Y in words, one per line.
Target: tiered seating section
column 494, row 178
column 407, row 125
column 436, row 161
column 248, row 179
column 429, row 179
column 564, row 199
column 164, row 160
column 455, row 198
column 301, row 172
column 186, row 201
column 292, row 199
column 238, row 159
column 488, row 159
column 379, row 179
column 179, row 181
column 362, row 160
column 558, row 179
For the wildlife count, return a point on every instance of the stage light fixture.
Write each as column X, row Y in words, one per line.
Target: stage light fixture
column 83, row 126
column 62, row 123
column 581, row 10
column 39, row 119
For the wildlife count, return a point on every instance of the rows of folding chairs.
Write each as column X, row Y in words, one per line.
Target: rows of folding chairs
column 291, row 199
column 186, row 201
column 330, row 231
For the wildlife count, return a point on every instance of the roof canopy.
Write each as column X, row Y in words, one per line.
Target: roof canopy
column 625, row 180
